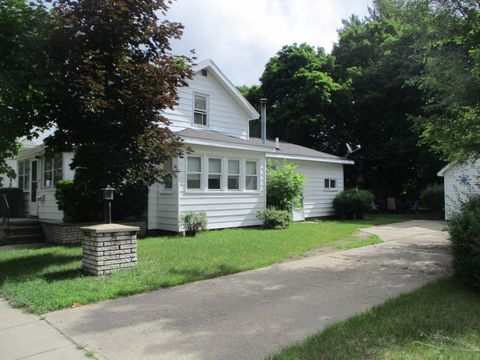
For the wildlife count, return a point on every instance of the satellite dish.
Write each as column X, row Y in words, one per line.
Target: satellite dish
column 350, row 150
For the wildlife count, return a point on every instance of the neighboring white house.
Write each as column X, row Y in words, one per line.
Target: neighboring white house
column 460, row 181
column 223, row 176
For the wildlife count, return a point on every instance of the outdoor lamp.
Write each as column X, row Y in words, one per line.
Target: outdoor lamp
column 108, row 197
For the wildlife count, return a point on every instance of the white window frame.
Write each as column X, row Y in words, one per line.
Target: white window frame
column 163, row 186
column 239, row 175
column 247, row 175
column 222, row 170
column 187, row 172
column 24, row 175
column 329, row 187
column 201, row 111
column 52, row 170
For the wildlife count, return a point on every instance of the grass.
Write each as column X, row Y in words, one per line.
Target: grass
column 50, row 278
column 438, row 321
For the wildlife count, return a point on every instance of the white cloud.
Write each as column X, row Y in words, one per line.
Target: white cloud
column 240, row 36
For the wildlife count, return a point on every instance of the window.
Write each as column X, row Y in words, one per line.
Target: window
column 214, row 174
column 251, row 176
column 24, row 174
column 168, row 167
column 200, row 110
column 233, row 174
column 194, row 172
column 53, row 170
column 330, row 184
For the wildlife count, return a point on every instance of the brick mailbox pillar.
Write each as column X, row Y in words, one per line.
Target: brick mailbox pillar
column 108, row 248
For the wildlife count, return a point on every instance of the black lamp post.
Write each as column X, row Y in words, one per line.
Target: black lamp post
column 108, row 197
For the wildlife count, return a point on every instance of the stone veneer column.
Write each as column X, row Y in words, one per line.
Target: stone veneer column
column 108, row 248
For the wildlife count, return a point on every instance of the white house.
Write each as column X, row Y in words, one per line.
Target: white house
column 223, row 176
column 460, row 181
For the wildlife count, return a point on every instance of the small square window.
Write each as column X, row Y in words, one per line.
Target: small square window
column 330, row 184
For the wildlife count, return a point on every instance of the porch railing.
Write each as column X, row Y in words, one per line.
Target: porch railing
column 5, row 212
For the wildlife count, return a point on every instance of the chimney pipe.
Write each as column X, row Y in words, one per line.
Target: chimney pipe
column 263, row 119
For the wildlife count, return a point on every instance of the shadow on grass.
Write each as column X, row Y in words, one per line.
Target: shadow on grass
column 25, row 267
column 196, row 274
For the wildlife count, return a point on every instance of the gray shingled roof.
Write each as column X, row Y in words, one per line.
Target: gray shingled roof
column 285, row 148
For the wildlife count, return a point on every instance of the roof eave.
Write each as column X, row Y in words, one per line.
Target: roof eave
column 253, row 114
column 310, row 158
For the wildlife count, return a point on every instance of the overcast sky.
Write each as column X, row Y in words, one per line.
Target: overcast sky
column 240, row 36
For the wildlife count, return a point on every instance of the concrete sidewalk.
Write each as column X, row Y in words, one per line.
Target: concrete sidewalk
column 26, row 336
column 252, row 314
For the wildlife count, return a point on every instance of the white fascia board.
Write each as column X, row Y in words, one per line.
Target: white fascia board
column 310, row 158
column 442, row 172
column 254, row 115
column 29, row 152
column 192, row 141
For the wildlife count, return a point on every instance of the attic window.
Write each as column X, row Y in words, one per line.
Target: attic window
column 200, row 110
column 204, row 72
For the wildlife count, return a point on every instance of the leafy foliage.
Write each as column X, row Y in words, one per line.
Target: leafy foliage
column 80, row 204
column 433, row 197
column 284, row 186
column 274, row 219
column 464, row 229
column 353, row 203
column 25, row 66
column 194, row 221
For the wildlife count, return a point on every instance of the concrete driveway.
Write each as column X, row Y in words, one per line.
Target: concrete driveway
column 251, row 314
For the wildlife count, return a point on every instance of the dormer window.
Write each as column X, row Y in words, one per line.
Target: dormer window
column 200, row 110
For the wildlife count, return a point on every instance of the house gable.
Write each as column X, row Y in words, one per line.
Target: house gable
column 228, row 111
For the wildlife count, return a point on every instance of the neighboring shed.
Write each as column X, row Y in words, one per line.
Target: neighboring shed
column 460, row 181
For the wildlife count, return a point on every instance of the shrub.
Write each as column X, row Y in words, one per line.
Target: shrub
column 16, row 202
column 194, row 222
column 77, row 203
column 284, row 186
column 274, row 219
column 353, row 203
column 433, row 197
column 464, row 229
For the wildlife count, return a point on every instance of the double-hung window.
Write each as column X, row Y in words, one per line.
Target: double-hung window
column 330, row 184
column 233, row 174
column 167, row 166
column 53, row 170
column 200, row 110
column 194, row 172
column 251, row 175
column 24, row 174
column 214, row 174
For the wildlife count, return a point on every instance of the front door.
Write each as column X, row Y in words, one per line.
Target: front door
column 33, row 188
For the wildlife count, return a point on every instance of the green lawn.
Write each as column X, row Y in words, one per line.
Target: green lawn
column 438, row 321
column 50, row 278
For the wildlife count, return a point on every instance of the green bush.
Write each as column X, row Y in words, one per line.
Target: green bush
column 464, row 229
column 80, row 205
column 433, row 197
column 284, row 186
column 16, row 202
column 194, row 222
column 77, row 203
column 274, row 219
column 353, row 203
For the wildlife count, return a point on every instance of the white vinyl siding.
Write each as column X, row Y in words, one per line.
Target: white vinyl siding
column 225, row 208
column 224, row 114
column 316, row 201
column 460, row 181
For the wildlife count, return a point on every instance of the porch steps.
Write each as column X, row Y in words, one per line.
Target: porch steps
column 23, row 230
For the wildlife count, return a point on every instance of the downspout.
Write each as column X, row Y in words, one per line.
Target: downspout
column 263, row 119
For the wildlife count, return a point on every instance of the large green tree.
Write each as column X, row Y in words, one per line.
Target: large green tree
column 450, row 49
column 25, row 68
column 301, row 92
